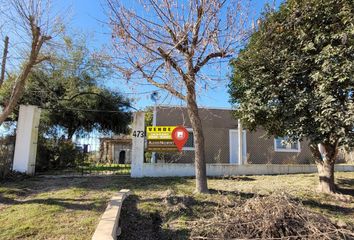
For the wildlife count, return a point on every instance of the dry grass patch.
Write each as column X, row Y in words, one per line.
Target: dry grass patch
column 271, row 217
column 177, row 213
column 160, row 208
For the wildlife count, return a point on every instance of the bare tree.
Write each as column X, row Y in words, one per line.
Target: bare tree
column 26, row 27
column 169, row 42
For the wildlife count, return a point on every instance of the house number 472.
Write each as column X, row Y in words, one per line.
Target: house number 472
column 138, row 133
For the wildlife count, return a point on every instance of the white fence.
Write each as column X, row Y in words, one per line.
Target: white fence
column 141, row 169
column 188, row 170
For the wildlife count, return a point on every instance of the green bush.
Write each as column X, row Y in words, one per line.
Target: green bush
column 58, row 154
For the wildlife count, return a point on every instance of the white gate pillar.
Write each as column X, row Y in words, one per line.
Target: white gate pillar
column 240, row 142
column 26, row 139
column 137, row 159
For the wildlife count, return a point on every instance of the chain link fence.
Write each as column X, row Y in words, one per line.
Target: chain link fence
column 83, row 153
column 7, row 148
column 262, row 152
column 90, row 154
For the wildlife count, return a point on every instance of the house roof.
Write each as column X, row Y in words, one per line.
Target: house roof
column 118, row 139
column 200, row 107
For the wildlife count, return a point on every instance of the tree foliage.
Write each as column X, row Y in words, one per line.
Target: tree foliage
column 295, row 76
column 69, row 89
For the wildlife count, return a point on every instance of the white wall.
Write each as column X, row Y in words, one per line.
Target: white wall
column 187, row 170
column 26, row 139
column 141, row 169
column 137, row 155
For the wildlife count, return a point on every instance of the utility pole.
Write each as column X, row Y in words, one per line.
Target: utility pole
column 154, row 97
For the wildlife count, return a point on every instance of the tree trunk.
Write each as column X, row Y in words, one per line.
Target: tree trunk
column 326, row 175
column 37, row 42
column 17, row 92
column 325, row 155
column 200, row 164
column 71, row 132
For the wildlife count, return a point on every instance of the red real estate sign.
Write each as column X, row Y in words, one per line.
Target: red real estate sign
column 180, row 137
column 166, row 138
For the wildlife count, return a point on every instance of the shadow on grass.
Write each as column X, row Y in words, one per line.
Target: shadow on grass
column 37, row 185
column 335, row 209
column 345, row 182
column 346, row 191
column 134, row 184
column 173, row 212
column 243, row 195
column 182, row 207
column 235, row 178
column 345, row 186
column 67, row 203
column 139, row 225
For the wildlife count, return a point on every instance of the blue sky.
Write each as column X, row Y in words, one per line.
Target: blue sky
column 87, row 16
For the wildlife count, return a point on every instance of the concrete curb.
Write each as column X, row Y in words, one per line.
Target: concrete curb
column 107, row 227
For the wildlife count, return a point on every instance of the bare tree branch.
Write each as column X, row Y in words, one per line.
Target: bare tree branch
column 169, row 42
column 159, row 85
column 172, row 63
column 199, row 65
column 30, row 21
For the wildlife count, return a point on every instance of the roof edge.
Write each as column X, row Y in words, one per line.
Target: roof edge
column 200, row 107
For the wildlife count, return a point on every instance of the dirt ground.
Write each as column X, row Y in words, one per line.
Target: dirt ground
column 176, row 213
column 160, row 208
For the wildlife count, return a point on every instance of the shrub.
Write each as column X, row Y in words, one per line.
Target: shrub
column 58, row 154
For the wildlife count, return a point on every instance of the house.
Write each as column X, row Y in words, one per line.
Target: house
column 221, row 140
column 116, row 149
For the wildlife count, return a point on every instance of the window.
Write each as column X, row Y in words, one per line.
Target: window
column 282, row 145
column 189, row 146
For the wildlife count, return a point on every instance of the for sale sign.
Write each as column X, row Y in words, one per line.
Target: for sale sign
column 160, row 132
column 166, row 138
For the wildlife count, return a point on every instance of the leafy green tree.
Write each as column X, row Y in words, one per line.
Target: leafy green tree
column 149, row 115
column 70, row 88
column 295, row 78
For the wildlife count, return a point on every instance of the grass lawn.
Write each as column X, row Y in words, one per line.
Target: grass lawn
column 115, row 168
column 91, row 169
column 69, row 208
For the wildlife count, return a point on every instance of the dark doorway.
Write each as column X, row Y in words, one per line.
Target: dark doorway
column 121, row 157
